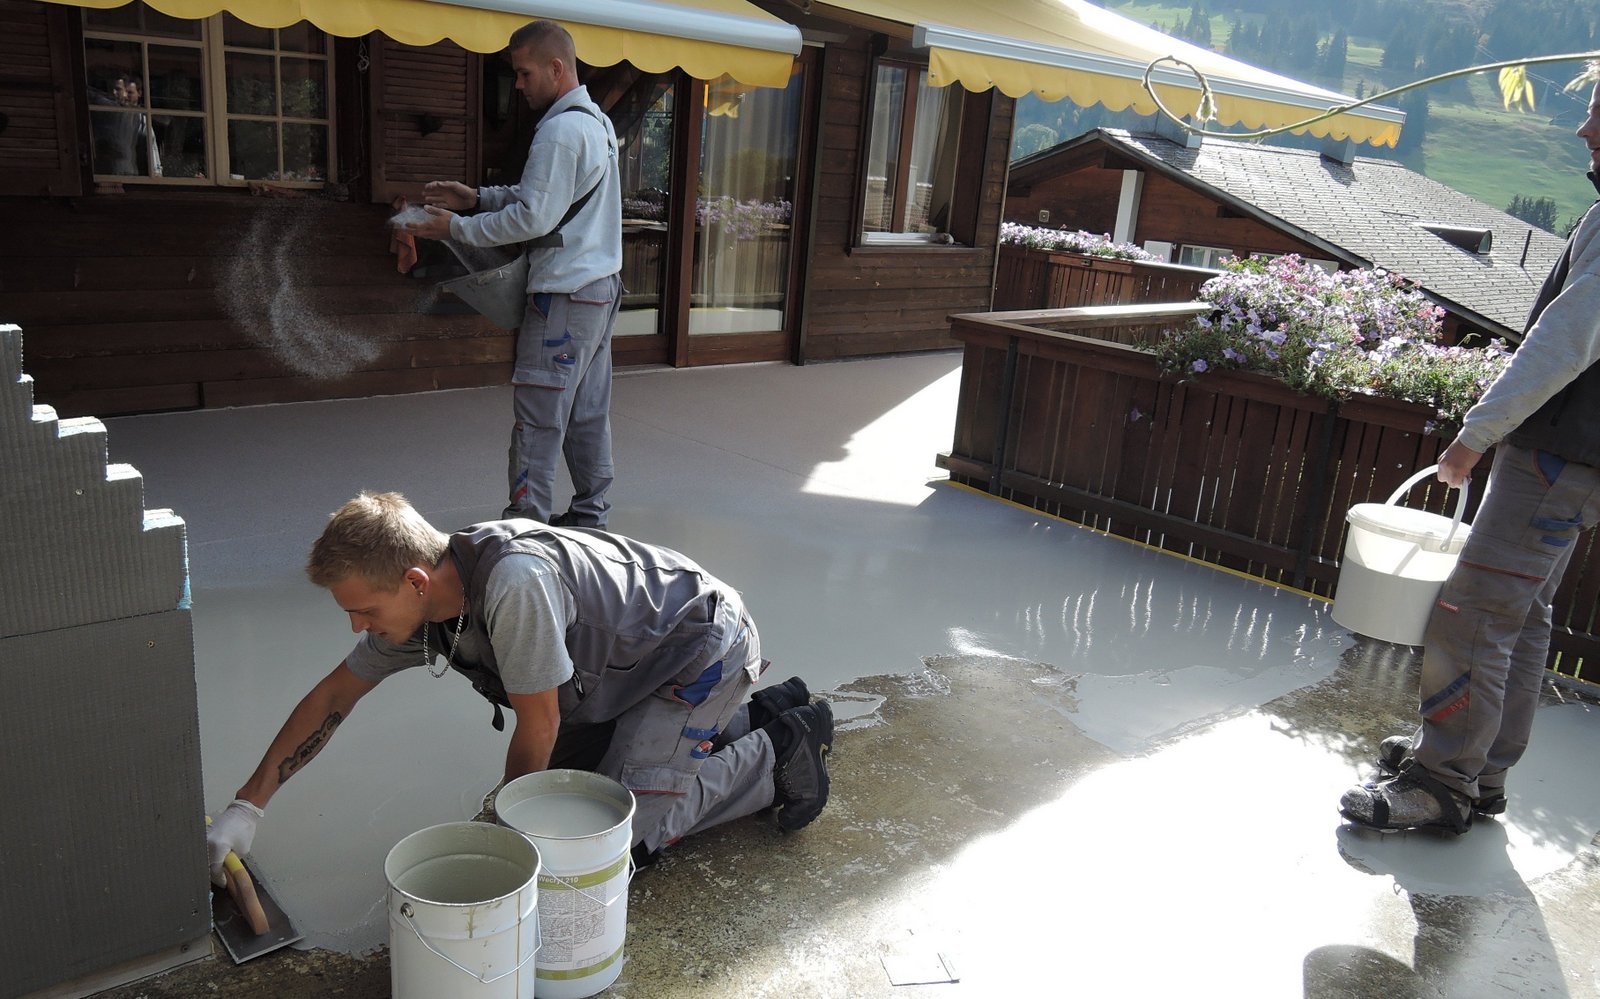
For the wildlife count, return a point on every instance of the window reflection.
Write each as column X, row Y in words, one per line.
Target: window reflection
column 912, row 154
column 749, row 144
column 157, row 101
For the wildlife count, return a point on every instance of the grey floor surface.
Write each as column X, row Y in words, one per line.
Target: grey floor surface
column 1068, row 764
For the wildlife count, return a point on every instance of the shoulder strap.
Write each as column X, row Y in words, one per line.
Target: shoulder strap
column 553, row 237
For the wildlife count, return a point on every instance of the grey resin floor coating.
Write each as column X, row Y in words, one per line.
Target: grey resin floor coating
column 1067, row 765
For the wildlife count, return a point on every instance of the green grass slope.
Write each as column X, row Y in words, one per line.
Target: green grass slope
column 1472, row 144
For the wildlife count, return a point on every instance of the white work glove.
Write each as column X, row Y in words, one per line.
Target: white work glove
column 233, row 830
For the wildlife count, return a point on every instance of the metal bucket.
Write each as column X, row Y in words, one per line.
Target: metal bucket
column 463, row 903
column 582, row 823
column 500, row 293
column 1396, row 560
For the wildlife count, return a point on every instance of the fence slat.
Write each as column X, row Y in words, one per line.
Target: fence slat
column 1224, row 468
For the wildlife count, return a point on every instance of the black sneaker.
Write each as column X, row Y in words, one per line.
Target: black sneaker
column 802, row 738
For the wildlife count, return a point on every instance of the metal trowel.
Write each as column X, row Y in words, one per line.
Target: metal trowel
column 247, row 918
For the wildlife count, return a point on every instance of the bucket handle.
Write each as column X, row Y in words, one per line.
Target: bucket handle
column 633, row 869
column 538, row 942
column 1461, row 497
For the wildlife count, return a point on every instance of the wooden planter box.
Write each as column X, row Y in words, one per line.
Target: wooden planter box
column 1049, row 279
column 1231, row 468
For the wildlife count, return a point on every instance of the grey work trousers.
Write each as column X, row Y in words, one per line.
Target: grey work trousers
column 661, row 749
column 1488, row 638
column 561, row 397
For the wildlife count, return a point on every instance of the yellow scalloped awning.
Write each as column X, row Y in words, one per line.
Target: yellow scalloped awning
column 705, row 38
column 1073, row 49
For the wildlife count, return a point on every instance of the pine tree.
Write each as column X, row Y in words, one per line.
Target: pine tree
column 1335, row 55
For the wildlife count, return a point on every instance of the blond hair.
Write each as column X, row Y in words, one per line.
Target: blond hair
column 376, row 536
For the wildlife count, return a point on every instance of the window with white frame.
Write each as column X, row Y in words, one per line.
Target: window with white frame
column 1193, row 255
column 212, row 101
column 912, row 151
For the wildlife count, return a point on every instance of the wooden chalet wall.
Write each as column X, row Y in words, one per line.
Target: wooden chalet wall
column 177, row 298
column 39, row 144
column 145, row 302
column 1172, row 213
column 879, row 300
column 1082, row 199
column 1086, row 198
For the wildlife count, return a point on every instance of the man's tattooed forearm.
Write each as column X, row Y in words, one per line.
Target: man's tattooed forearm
column 311, row 747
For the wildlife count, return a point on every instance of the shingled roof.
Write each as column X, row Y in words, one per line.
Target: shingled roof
column 1367, row 213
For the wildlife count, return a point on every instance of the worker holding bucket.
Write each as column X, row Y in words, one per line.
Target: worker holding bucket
column 1488, row 638
column 613, row 656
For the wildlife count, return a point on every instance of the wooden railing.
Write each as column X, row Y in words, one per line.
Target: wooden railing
column 1048, row 279
column 1234, row 468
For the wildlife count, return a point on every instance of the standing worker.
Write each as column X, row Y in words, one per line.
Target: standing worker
column 612, row 655
column 1488, row 639
column 567, row 209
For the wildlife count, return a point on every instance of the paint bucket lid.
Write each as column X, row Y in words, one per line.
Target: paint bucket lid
column 1427, row 531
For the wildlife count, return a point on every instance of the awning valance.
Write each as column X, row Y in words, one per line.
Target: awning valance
column 1073, row 49
column 705, row 38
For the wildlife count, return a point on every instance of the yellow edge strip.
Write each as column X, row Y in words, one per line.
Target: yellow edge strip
column 1014, row 78
column 420, row 23
column 1137, row 544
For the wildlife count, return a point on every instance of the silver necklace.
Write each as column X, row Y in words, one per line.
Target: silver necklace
column 427, row 657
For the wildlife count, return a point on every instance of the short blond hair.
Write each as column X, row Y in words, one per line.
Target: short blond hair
column 376, row 536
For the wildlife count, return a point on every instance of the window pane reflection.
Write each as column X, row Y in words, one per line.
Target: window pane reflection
column 244, row 34
column 302, row 37
column 252, row 84
column 175, row 80
column 253, row 150
column 182, row 146
column 883, row 149
column 644, row 132
column 136, row 18
column 747, row 171
column 305, row 150
column 305, row 88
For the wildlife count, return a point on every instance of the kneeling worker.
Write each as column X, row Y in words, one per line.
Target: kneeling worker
column 613, row 655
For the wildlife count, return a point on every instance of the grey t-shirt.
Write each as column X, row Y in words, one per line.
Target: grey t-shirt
column 527, row 614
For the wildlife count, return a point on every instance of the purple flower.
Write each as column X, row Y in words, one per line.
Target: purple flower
column 1199, row 365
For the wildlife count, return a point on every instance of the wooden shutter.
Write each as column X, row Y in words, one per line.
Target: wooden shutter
column 39, row 143
column 433, row 89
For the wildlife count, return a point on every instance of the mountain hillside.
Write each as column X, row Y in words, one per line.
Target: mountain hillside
column 1457, row 132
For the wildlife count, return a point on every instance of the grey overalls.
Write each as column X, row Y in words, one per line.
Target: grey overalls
column 660, row 648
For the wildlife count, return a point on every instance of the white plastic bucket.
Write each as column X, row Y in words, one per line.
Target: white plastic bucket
column 463, row 903
column 1395, row 561
column 582, row 823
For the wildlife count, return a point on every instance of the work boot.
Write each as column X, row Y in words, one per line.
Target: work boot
column 769, row 703
column 801, row 738
column 1395, row 752
column 773, row 701
column 1414, row 799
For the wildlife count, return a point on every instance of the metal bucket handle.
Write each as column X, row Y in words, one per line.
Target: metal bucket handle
column 538, row 942
column 1461, row 498
column 633, row 869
